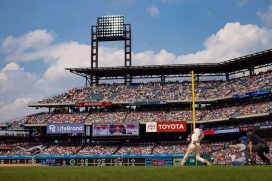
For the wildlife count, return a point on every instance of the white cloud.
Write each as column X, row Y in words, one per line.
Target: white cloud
column 26, row 47
column 17, row 85
column 59, row 57
column 232, row 41
column 16, row 109
column 15, row 82
column 266, row 17
column 153, row 11
column 151, row 58
column 11, row 66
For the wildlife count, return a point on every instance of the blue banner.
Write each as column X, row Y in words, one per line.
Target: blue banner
column 266, row 127
column 234, row 130
column 65, row 128
column 251, row 94
column 260, row 92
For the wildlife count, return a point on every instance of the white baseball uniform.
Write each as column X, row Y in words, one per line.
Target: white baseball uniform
column 194, row 146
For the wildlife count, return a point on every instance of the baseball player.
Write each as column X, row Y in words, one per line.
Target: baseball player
column 194, row 146
column 241, row 147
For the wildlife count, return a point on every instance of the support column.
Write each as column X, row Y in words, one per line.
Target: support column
column 162, row 79
column 227, row 76
column 251, row 71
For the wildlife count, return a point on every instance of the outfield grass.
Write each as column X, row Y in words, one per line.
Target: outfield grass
column 218, row 173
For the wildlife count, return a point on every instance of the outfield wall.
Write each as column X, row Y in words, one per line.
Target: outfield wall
column 100, row 160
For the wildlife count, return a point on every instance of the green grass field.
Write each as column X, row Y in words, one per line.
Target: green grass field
column 201, row 173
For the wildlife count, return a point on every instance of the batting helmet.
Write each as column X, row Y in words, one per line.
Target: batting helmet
column 243, row 139
column 201, row 126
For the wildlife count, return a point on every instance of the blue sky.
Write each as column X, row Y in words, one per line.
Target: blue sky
column 38, row 39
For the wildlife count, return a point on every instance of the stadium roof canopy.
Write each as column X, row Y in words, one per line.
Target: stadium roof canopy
column 248, row 62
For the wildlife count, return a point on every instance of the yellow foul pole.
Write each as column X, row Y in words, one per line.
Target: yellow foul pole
column 193, row 103
column 193, row 100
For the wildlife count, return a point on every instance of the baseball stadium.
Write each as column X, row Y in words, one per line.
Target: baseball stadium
column 136, row 122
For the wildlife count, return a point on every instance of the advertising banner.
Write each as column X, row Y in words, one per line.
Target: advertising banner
column 157, row 162
column 139, row 103
column 168, row 161
column 116, row 129
column 5, row 147
column 266, row 127
column 209, row 132
column 179, row 126
column 83, row 104
column 261, row 92
column 65, row 128
column 171, row 126
column 234, row 130
column 191, row 161
column 251, row 94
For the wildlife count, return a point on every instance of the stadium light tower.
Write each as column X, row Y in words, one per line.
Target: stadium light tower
column 110, row 28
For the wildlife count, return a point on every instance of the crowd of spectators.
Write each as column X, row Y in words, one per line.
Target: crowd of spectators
column 150, row 91
column 106, row 117
column 24, row 149
column 68, row 118
column 238, row 124
column 159, row 116
column 150, row 116
column 61, row 98
column 220, row 153
column 16, row 123
column 236, row 111
column 136, row 149
column 39, row 118
column 45, row 118
column 153, row 91
column 203, row 90
column 169, row 91
column 173, row 148
column 98, row 149
column 146, row 116
column 60, row 150
column 92, row 94
column 13, row 150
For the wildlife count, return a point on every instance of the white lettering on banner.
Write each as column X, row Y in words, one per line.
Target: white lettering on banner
column 70, row 128
column 65, row 128
column 171, row 126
